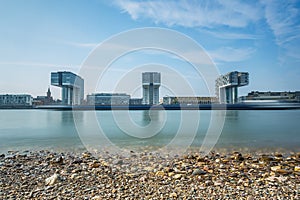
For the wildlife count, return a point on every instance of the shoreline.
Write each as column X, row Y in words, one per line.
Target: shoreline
column 155, row 149
column 237, row 106
column 146, row 175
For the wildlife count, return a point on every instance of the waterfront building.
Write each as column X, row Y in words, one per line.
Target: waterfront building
column 272, row 96
column 11, row 100
column 43, row 100
column 72, row 87
column 108, row 99
column 136, row 101
column 188, row 100
column 151, row 84
column 227, row 86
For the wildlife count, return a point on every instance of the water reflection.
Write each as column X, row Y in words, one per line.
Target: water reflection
column 232, row 115
column 151, row 115
column 67, row 117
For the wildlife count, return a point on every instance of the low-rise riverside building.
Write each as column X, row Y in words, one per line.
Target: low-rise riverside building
column 136, row 101
column 272, row 96
column 108, row 99
column 189, row 100
column 44, row 100
column 15, row 100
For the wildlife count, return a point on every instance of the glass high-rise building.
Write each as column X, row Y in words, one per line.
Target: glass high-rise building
column 72, row 87
column 151, row 84
column 227, row 86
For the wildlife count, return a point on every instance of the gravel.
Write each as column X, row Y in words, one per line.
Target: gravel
column 65, row 175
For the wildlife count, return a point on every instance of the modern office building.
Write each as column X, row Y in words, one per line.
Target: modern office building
column 188, row 100
column 151, row 84
column 227, row 86
column 72, row 87
column 11, row 100
column 272, row 96
column 108, row 99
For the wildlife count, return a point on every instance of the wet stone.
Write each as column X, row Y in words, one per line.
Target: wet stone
column 198, row 172
column 118, row 162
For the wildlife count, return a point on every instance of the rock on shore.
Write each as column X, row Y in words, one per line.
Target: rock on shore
column 50, row 175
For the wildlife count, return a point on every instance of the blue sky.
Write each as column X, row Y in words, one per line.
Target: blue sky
column 37, row 37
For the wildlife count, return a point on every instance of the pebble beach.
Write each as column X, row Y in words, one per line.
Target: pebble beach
column 232, row 175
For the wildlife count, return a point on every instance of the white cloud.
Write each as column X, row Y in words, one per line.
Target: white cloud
column 193, row 13
column 229, row 54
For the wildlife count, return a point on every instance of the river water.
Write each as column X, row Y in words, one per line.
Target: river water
column 67, row 130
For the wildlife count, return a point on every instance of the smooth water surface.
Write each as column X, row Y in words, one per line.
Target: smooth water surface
column 51, row 129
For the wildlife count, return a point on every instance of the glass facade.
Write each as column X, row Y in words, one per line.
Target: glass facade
column 108, row 99
column 227, row 86
column 72, row 87
column 151, row 84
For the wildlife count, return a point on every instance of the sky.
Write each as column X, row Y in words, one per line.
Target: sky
column 259, row 37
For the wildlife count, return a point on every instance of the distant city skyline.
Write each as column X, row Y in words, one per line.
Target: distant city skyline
column 259, row 37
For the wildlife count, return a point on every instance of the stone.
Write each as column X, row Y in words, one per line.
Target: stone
column 283, row 171
column 198, row 172
column 177, row 176
column 275, row 178
column 275, row 168
column 73, row 176
column 97, row 197
column 159, row 173
column 266, row 158
column 238, row 156
column 118, row 162
column 297, row 168
column 94, row 165
column 173, row 195
column 218, row 183
column 77, row 161
column 86, row 155
column 52, row 179
column 59, row 160
column 170, row 174
column 148, row 168
column 143, row 179
column 105, row 164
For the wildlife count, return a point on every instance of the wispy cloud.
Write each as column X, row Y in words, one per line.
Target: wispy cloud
column 231, row 35
column 193, row 13
column 83, row 45
column 283, row 19
column 37, row 64
column 220, row 19
column 229, row 54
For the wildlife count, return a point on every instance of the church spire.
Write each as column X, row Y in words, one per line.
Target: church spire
column 48, row 93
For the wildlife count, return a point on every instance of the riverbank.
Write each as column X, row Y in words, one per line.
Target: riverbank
column 52, row 175
column 237, row 106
